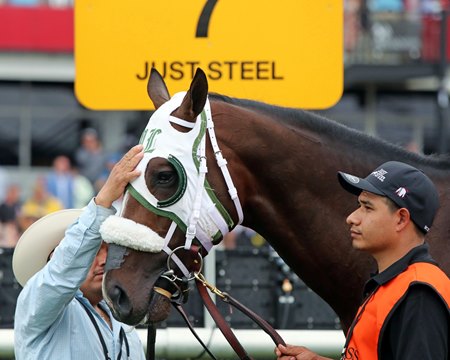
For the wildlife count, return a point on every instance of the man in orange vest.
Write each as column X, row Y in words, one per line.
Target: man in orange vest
column 405, row 313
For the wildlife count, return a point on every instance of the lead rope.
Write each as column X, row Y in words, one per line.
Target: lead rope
column 202, row 286
column 221, row 323
column 186, row 319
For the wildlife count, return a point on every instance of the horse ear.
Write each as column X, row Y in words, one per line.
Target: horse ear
column 195, row 99
column 157, row 89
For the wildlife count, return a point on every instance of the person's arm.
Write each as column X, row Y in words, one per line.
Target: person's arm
column 48, row 292
column 419, row 327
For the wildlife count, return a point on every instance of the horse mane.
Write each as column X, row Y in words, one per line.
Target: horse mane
column 333, row 129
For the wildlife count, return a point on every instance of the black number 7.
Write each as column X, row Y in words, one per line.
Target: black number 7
column 205, row 16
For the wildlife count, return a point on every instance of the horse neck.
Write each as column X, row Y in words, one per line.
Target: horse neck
column 291, row 195
column 292, row 198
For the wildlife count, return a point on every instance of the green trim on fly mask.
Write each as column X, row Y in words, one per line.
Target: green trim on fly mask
column 136, row 195
column 164, row 213
column 182, row 183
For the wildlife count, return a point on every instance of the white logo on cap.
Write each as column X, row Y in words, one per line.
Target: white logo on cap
column 379, row 174
column 352, row 178
column 401, row 192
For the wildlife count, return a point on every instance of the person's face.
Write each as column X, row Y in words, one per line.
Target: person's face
column 92, row 286
column 372, row 224
column 61, row 164
column 90, row 142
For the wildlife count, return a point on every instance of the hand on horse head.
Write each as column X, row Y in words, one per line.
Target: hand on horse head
column 121, row 174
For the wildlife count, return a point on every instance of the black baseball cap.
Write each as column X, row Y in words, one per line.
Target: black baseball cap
column 405, row 185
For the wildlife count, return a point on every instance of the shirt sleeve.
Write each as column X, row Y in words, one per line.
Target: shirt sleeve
column 47, row 293
column 418, row 328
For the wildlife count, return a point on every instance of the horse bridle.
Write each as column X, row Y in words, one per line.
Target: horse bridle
column 176, row 287
column 180, row 285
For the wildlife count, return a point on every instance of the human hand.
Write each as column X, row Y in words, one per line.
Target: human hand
column 121, row 174
column 291, row 352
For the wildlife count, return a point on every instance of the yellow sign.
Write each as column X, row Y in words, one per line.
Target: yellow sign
column 286, row 52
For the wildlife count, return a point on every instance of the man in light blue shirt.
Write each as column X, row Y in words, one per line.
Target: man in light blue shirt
column 60, row 313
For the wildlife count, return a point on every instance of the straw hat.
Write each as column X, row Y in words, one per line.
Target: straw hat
column 38, row 241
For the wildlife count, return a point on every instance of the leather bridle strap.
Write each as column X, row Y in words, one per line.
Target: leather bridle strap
column 263, row 324
column 214, row 311
column 186, row 319
column 221, row 323
column 212, row 308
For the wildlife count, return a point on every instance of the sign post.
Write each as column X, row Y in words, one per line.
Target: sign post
column 288, row 52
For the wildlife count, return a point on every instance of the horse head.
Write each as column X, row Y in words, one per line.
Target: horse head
column 173, row 213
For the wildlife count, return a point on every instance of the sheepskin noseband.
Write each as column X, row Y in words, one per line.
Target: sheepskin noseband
column 125, row 232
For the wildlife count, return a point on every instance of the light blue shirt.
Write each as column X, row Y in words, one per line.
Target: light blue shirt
column 49, row 322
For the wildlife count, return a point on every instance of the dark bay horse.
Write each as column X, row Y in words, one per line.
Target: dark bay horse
column 283, row 163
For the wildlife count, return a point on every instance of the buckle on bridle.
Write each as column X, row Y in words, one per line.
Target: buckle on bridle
column 199, row 276
column 188, row 277
column 180, row 284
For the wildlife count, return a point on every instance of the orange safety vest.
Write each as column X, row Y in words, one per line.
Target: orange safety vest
column 365, row 338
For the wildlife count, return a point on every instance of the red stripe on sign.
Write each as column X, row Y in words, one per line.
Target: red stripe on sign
column 39, row 28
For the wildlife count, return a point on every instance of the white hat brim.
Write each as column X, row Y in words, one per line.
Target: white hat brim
column 38, row 241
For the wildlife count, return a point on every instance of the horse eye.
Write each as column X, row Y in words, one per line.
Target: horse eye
column 166, row 177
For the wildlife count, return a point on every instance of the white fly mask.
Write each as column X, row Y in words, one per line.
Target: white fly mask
column 194, row 208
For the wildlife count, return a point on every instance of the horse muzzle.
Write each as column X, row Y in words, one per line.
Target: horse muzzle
column 154, row 307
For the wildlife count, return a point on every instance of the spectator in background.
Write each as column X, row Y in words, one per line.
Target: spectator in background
column 90, row 157
column 39, row 204
column 352, row 25
column 60, row 181
column 9, row 211
column 83, row 190
column 71, row 188
column 111, row 160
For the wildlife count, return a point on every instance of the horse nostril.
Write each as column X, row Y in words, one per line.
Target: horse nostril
column 120, row 301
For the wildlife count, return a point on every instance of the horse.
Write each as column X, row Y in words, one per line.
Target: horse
column 274, row 170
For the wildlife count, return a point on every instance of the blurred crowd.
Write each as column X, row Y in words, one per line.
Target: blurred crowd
column 70, row 183
column 422, row 6
column 51, row 3
column 359, row 15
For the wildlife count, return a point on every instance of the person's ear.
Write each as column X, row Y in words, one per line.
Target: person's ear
column 404, row 218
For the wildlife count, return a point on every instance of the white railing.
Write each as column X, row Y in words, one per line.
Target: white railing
column 179, row 343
